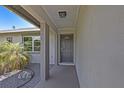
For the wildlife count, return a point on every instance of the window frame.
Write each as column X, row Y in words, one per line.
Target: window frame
column 32, row 44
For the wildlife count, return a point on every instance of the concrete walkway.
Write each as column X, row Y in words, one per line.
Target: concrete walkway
column 61, row 77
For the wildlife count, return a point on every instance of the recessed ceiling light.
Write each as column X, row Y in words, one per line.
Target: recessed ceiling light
column 62, row 14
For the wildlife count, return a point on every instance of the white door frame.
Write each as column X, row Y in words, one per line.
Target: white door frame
column 66, row 32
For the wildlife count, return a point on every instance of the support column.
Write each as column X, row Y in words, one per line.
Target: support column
column 56, row 50
column 44, row 33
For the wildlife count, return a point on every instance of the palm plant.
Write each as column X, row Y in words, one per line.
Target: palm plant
column 12, row 57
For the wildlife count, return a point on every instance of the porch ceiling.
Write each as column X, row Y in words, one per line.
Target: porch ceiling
column 69, row 21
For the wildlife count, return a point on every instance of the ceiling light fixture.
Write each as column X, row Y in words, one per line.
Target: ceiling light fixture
column 62, row 14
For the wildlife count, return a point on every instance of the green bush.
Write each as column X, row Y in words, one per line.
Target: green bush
column 12, row 57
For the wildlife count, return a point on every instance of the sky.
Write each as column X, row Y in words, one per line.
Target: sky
column 9, row 19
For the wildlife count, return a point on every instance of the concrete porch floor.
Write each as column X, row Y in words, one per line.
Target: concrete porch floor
column 61, row 77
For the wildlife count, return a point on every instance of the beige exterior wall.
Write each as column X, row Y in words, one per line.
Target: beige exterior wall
column 16, row 37
column 100, row 46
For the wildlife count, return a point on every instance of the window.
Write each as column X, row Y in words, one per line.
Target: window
column 9, row 39
column 31, row 43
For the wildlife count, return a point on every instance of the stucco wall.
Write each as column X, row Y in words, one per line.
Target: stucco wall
column 100, row 46
column 35, row 57
column 16, row 37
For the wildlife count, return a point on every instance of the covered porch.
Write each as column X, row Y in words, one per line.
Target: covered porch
column 53, row 72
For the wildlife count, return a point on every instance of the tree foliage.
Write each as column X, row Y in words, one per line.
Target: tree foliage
column 12, row 57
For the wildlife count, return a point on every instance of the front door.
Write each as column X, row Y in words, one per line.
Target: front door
column 66, row 48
